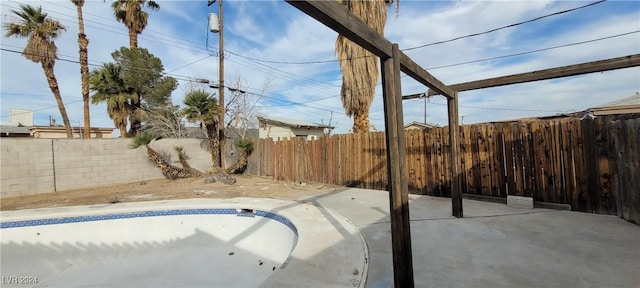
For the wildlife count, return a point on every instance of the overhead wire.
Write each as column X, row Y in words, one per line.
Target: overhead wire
column 176, row 76
column 506, row 26
column 494, row 108
column 42, row 109
column 111, row 19
column 433, row 43
column 534, row 51
column 268, row 68
column 120, row 30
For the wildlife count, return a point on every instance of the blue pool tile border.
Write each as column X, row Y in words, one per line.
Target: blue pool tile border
column 155, row 213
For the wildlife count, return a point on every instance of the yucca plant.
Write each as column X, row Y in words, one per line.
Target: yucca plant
column 144, row 139
column 182, row 157
column 246, row 147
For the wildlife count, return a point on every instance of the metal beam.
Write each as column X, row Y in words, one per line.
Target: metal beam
column 336, row 17
column 552, row 73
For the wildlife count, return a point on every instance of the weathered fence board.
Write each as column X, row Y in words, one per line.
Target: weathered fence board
column 591, row 164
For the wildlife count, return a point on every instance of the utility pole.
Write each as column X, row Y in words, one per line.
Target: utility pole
column 425, row 109
column 220, row 82
column 221, row 87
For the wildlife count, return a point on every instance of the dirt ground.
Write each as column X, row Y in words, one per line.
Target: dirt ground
column 163, row 189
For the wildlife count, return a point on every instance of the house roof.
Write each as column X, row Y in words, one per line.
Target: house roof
column 235, row 134
column 622, row 106
column 19, row 130
column 55, row 128
column 419, row 124
column 633, row 100
column 292, row 123
column 15, row 129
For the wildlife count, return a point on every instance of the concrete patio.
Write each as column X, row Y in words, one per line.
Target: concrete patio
column 494, row 245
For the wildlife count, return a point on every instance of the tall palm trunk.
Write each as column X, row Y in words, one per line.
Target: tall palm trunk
column 172, row 172
column 136, row 123
column 83, row 44
column 53, row 84
column 133, row 38
column 122, row 126
column 214, row 144
column 240, row 166
column 360, row 67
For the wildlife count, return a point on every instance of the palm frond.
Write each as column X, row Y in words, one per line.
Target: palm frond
column 360, row 67
column 201, row 106
column 144, row 139
column 245, row 144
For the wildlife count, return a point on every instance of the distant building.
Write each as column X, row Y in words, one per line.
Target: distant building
column 21, row 117
column 9, row 130
column 629, row 105
column 270, row 127
column 21, row 125
column 418, row 125
column 50, row 132
column 623, row 106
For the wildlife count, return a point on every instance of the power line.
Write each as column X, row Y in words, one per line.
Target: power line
column 497, row 108
column 111, row 19
column 287, row 62
column 505, row 27
column 121, row 31
column 292, row 77
column 176, row 76
column 535, row 51
column 430, row 44
column 42, row 109
column 191, row 63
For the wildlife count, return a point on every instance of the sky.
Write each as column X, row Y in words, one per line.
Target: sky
column 286, row 59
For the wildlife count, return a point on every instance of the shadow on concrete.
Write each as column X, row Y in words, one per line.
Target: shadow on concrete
column 199, row 260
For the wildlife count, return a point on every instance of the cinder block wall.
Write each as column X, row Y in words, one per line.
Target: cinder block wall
column 26, row 166
column 35, row 166
column 196, row 150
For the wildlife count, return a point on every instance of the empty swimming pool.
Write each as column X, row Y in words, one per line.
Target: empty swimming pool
column 169, row 244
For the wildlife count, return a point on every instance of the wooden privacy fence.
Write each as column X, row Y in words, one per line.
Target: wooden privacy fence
column 591, row 164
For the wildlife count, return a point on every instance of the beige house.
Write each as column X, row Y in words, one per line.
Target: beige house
column 51, row 132
column 21, row 125
column 270, row 127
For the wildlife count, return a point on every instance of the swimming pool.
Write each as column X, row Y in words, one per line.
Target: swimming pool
column 197, row 242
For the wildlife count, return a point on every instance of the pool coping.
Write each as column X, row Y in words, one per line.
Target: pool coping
column 330, row 249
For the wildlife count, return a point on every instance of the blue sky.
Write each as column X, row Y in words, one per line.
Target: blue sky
column 261, row 37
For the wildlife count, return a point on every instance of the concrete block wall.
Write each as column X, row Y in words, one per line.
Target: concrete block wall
column 84, row 163
column 35, row 166
column 26, row 167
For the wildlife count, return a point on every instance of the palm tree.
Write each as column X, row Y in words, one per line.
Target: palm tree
column 360, row 67
column 109, row 88
column 132, row 15
column 40, row 30
column 201, row 107
column 83, row 44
